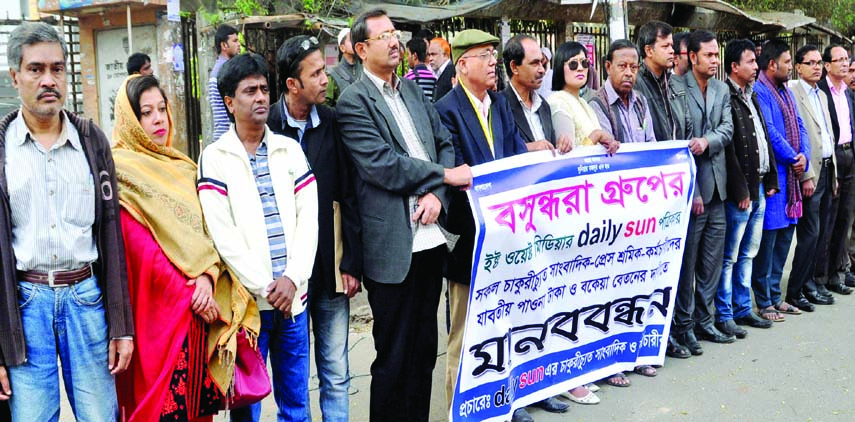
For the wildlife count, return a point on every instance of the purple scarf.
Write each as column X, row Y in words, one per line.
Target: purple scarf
column 791, row 123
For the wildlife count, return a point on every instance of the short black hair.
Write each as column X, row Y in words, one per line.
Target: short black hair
column 424, row 34
column 695, row 39
column 136, row 87
column 359, row 30
column 290, row 56
column 771, row 51
column 826, row 54
column 619, row 45
column 136, row 62
column 222, row 36
column 514, row 52
column 418, row 48
column 802, row 52
column 733, row 53
column 650, row 32
column 237, row 69
column 563, row 53
column 679, row 38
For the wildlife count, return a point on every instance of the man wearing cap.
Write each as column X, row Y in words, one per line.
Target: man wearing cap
column 493, row 137
column 346, row 72
column 545, row 89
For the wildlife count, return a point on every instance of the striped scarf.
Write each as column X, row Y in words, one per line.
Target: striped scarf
column 791, row 124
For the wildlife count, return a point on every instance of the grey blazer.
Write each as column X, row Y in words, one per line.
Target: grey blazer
column 387, row 175
column 716, row 125
column 813, row 124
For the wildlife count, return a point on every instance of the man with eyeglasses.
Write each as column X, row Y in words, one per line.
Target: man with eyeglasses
column 818, row 183
column 346, row 72
column 300, row 115
column 622, row 111
column 842, row 111
column 439, row 59
column 681, row 54
column 405, row 173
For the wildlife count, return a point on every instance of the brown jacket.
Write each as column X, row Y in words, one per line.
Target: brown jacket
column 110, row 267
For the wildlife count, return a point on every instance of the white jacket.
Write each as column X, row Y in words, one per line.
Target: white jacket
column 235, row 217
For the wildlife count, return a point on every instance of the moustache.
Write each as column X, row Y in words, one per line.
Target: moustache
column 49, row 91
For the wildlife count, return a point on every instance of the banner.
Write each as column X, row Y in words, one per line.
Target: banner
column 574, row 274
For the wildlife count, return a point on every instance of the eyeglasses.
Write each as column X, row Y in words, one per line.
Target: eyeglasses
column 386, row 36
column 813, row 63
column 308, row 43
column 485, row 55
column 576, row 64
column 633, row 67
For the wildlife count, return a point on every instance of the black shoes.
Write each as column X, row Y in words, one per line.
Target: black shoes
column 839, row 289
column 850, row 279
column 802, row 303
column 552, row 405
column 817, row 299
column 688, row 339
column 729, row 328
column 822, row 291
column 712, row 334
column 520, row 415
column 676, row 350
column 753, row 320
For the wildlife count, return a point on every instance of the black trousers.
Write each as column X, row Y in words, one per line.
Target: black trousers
column 844, row 203
column 405, row 339
column 703, row 255
column 812, row 236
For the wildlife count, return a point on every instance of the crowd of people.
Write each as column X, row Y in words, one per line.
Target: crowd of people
column 142, row 271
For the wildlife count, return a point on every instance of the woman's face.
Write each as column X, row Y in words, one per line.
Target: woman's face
column 576, row 78
column 153, row 117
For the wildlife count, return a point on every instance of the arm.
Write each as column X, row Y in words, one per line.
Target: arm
column 445, row 151
column 351, row 226
column 649, row 134
column 722, row 134
column 804, row 141
column 602, row 117
column 737, row 186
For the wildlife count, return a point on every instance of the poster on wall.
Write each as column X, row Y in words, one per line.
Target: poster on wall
column 112, row 54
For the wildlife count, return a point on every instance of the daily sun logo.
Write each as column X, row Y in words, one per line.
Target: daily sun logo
column 484, row 187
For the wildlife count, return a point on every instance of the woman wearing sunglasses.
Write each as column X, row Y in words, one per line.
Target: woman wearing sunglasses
column 571, row 115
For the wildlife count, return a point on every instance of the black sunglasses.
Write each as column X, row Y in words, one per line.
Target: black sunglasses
column 575, row 64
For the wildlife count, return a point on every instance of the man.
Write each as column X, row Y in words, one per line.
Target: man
column 439, row 58
column 712, row 131
column 227, row 45
column 622, row 112
column 752, row 175
column 668, row 102
column 523, row 62
column 842, row 110
column 419, row 71
column 346, row 72
column 300, row 114
column 404, row 159
column 472, row 101
column 791, row 146
column 139, row 64
column 61, row 247
column 545, row 89
column 818, row 184
column 851, row 77
column 681, row 54
column 259, row 199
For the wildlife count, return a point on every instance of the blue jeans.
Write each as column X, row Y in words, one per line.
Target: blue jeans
column 741, row 243
column 69, row 322
column 330, row 319
column 288, row 345
column 769, row 265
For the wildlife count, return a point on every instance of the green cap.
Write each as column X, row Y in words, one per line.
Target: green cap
column 468, row 39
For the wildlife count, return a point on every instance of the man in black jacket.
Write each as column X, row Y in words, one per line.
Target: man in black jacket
column 301, row 115
column 752, row 176
column 439, row 58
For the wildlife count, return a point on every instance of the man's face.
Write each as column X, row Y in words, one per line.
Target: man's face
column 231, row 47
column 838, row 67
column 251, row 102
column 41, row 81
column 478, row 64
column 745, row 72
column 662, row 53
column 705, row 61
column 530, row 72
column 681, row 61
column 146, row 70
column 311, row 86
column 623, row 70
column 810, row 69
column 376, row 53
column 346, row 46
column 851, row 77
column 436, row 56
column 411, row 59
column 783, row 67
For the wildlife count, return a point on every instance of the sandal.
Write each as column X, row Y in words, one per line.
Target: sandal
column 618, row 380
column 593, row 387
column 786, row 308
column 589, row 398
column 772, row 315
column 646, row 370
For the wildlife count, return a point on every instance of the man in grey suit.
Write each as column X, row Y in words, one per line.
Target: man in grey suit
column 404, row 158
column 819, row 183
column 709, row 109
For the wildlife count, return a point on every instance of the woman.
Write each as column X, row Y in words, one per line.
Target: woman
column 187, row 309
column 571, row 115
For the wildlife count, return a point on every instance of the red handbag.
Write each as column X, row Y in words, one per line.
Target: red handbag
column 252, row 383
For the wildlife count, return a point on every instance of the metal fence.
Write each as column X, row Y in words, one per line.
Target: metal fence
column 192, row 87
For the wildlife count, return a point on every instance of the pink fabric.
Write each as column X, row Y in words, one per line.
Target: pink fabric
column 160, row 300
column 841, row 106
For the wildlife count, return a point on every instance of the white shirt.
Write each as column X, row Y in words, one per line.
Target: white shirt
column 531, row 115
column 819, row 112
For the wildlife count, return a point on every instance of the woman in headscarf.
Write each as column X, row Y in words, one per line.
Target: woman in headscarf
column 187, row 309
